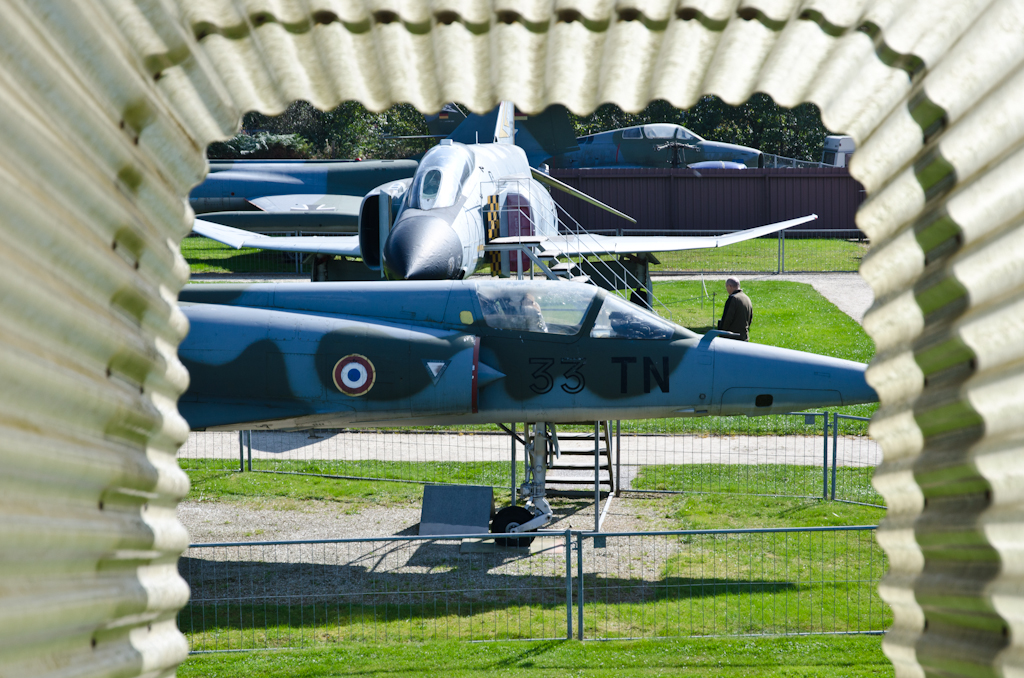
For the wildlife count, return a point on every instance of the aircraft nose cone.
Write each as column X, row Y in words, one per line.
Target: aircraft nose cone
column 422, row 247
column 756, row 379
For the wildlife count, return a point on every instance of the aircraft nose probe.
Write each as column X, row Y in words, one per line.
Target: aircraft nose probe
column 422, row 247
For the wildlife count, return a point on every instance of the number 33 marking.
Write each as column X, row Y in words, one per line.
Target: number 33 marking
column 544, row 382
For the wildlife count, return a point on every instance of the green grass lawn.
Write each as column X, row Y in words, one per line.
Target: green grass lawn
column 762, row 255
column 843, row 657
column 219, row 480
column 209, row 256
column 852, row 483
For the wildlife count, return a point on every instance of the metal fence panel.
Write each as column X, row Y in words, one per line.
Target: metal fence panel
column 783, row 581
column 669, row 455
column 855, row 456
column 732, row 582
column 302, row 594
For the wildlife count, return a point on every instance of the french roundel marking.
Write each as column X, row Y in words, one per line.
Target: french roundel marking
column 354, row 375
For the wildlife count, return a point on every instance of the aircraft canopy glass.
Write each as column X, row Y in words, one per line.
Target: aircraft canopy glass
column 551, row 307
column 439, row 178
column 660, row 131
column 632, row 133
column 686, row 135
column 620, row 319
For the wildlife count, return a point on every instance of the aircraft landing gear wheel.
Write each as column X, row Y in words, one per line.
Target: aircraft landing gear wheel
column 506, row 519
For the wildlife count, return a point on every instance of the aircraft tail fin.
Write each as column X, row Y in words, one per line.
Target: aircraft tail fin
column 505, row 126
column 496, row 127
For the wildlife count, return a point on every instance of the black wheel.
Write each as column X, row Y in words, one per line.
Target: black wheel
column 506, row 519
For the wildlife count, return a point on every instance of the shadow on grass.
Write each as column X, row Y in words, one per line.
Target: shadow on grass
column 438, row 583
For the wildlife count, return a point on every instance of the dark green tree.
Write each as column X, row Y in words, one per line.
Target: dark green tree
column 348, row 131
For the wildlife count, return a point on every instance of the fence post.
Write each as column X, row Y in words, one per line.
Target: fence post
column 782, row 257
column 568, row 584
column 513, row 437
column 835, row 447
column 579, row 585
column 824, row 465
column 778, row 264
column 241, row 451
column 597, row 475
column 618, row 457
column 248, row 448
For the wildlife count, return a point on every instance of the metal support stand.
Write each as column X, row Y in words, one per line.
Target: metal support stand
column 533, row 489
column 248, row 448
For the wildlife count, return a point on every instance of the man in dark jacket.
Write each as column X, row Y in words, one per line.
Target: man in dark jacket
column 738, row 311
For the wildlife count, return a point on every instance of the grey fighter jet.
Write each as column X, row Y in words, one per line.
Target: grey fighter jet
column 325, row 355
column 655, row 145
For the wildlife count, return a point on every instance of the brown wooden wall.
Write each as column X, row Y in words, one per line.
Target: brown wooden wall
column 711, row 199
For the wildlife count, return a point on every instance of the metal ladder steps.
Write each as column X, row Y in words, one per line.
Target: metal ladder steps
column 579, row 462
column 576, row 436
column 582, row 447
column 560, row 479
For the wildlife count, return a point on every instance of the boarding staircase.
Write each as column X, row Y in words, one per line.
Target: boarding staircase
column 578, row 460
column 539, row 253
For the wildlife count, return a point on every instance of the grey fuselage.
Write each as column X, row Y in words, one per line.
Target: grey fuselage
column 282, row 356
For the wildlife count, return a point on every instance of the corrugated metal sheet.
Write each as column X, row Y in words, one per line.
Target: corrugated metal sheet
column 712, row 199
column 109, row 103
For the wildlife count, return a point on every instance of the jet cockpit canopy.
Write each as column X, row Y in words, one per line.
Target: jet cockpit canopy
column 550, row 307
column 439, row 178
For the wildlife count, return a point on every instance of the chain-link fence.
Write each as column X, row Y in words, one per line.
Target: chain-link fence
column 803, row 454
column 810, row 454
column 588, row 585
column 464, row 456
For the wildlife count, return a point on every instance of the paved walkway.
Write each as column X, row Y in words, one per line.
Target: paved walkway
column 637, row 450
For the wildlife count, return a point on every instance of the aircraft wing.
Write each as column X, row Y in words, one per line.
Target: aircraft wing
column 586, row 244
column 344, row 245
column 309, row 202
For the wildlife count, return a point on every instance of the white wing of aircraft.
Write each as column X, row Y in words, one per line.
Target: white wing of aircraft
column 343, row 245
column 586, row 244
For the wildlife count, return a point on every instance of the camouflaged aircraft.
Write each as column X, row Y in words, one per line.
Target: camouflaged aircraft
column 463, row 200
column 326, row 355
column 655, row 145
column 282, row 196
